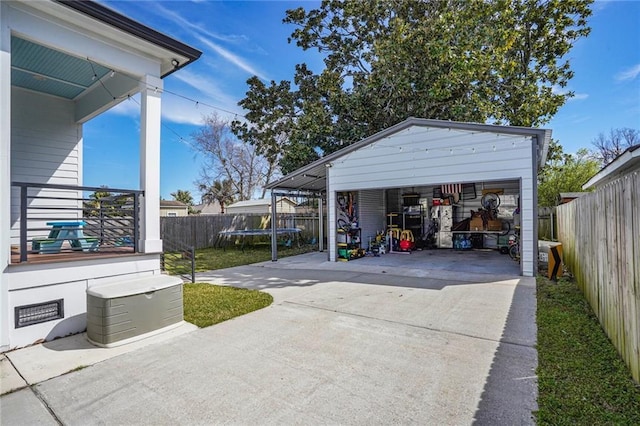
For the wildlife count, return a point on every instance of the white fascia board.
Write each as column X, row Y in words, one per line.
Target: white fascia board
column 612, row 168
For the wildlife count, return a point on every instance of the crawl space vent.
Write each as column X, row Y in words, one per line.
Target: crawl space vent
column 39, row 312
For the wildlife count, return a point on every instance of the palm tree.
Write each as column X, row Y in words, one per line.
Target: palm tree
column 220, row 191
column 183, row 196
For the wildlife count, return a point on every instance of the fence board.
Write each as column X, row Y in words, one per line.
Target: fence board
column 600, row 234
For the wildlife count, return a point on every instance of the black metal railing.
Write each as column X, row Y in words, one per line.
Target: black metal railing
column 178, row 259
column 61, row 219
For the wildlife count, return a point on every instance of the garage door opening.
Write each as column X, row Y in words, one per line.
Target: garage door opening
column 456, row 217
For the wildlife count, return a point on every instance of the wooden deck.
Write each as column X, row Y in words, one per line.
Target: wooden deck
column 68, row 255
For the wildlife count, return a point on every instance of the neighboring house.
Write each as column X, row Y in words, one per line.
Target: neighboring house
column 367, row 179
column 173, row 208
column 283, row 205
column 63, row 63
column 208, row 208
column 626, row 163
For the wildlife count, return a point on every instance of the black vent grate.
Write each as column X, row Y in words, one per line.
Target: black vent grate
column 39, row 312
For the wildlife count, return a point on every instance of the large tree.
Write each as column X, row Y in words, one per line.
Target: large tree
column 501, row 61
column 609, row 147
column 228, row 159
column 564, row 173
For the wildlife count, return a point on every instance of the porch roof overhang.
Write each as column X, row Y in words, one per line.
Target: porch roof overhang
column 85, row 52
column 313, row 177
column 179, row 51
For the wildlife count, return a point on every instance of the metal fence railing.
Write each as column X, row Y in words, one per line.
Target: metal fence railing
column 62, row 219
column 178, row 259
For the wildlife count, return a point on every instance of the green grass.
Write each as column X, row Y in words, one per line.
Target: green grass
column 582, row 379
column 216, row 258
column 208, row 304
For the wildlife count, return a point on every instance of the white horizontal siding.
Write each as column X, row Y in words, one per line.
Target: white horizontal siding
column 419, row 157
column 46, row 147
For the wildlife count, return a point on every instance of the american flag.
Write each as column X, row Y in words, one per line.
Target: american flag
column 452, row 188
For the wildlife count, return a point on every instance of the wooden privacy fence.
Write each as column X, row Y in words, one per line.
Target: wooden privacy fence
column 600, row 235
column 201, row 231
column 546, row 224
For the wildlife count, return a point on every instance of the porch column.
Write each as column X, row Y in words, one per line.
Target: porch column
column 5, row 173
column 150, row 92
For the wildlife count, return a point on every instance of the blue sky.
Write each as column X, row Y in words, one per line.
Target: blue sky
column 240, row 39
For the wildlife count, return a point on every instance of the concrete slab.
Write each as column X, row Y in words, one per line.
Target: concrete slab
column 23, row 408
column 339, row 345
column 51, row 359
column 10, row 380
column 287, row 364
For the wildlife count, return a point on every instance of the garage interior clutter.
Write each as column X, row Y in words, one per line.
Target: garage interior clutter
column 458, row 216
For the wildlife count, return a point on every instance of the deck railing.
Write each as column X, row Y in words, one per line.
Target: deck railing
column 49, row 219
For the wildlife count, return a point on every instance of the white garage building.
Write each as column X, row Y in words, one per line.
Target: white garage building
column 420, row 158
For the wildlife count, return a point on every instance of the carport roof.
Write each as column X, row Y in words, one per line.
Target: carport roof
column 312, row 177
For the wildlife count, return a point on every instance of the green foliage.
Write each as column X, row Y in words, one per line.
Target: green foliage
column 581, row 377
column 463, row 60
column 184, row 197
column 208, row 304
column 106, row 204
column 564, row 173
column 220, row 191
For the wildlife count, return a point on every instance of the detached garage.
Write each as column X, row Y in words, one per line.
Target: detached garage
column 432, row 178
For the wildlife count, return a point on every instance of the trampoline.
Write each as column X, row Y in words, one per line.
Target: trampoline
column 225, row 236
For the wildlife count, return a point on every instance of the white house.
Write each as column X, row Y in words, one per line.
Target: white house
column 418, row 156
column 62, row 63
column 262, row 206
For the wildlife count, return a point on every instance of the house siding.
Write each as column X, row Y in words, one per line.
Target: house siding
column 47, row 150
column 422, row 156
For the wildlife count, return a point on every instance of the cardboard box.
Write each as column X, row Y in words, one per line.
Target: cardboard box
column 476, row 224
column 494, row 225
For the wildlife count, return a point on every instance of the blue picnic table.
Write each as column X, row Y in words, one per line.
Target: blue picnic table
column 65, row 230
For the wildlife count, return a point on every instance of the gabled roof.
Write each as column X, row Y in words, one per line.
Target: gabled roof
column 627, row 161
column 312, row 177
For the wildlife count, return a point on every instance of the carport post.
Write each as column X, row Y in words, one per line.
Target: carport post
column 274, row 229
column 320, row 222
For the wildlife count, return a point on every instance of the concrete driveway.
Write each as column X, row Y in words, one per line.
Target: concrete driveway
column 342, row 344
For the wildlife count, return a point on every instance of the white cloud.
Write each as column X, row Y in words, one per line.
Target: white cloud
column 629, row 74
column 234, row 59
column 204, row 35
column 557, row 90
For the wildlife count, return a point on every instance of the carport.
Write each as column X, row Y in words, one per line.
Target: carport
column 402, row 176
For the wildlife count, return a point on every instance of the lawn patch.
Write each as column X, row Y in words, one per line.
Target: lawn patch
column 210, row 259
column 581, row 377
column 208, row 304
